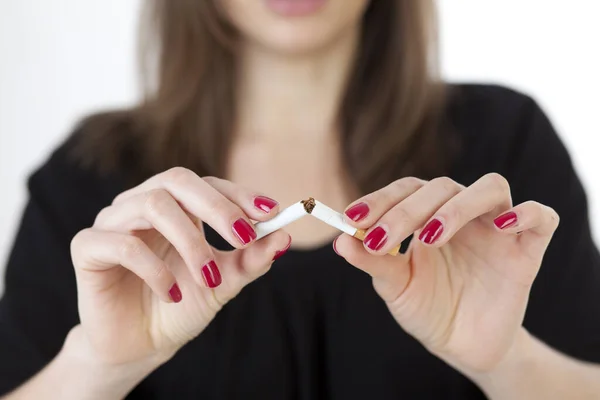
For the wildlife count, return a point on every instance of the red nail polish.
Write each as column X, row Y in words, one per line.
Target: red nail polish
column 211, row 275
column 432, row 232
column 244, row 231
column 280, row 253
column 506, row 220
column 335, row 248
column 358, row 212
column 376, row 239
column 265, row 204
column 175, row 293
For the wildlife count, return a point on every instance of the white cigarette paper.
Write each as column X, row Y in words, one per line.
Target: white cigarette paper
column 332, row 217
column 317, row 210
column 285, row 217
column 335, row 219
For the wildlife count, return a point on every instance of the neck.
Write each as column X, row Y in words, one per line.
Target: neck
column 286, row 97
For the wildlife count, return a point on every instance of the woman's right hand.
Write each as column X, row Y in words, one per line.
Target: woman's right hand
column 148, row 282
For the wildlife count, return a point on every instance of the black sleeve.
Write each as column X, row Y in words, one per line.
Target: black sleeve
column 39, row 305
column 564, row 307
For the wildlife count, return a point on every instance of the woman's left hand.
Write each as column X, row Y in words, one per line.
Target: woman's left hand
column 461, row 289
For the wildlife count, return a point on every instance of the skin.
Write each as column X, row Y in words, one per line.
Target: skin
column 150, row 237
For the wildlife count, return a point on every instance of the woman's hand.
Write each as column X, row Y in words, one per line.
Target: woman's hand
column 148, row 282
column 462, row 287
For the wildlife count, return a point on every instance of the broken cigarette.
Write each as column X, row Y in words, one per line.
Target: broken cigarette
column 317, row 210
column 335, row 219
column 285, row 217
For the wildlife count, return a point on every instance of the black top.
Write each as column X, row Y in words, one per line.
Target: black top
column 313, row 327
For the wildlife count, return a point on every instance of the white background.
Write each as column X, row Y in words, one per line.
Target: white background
column 61, row 59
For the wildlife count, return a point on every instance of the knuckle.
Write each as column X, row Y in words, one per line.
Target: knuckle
column 131, row 247
column 193, row 244
column 102, row 216
column 157, row 272
column 408, row 184
column 156, row 201
column 211, row 179
column 79, row 239
column 119, row 197
column 179, row 175
column 553, row 216
column 383, row 196
column 79, row 246
column 498, row 182
column 452, row 214
column 446, row 184
column 221, row 208
column 402, row 217
column 413, row 182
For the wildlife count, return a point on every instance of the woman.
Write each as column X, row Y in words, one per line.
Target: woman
column 173, row 296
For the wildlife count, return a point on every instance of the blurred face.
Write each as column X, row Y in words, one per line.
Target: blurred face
column 294, row 26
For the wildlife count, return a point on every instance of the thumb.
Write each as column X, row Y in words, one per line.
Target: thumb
column 243, row 266
column 391, row 274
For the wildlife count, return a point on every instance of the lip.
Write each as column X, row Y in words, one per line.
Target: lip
column 295, row 8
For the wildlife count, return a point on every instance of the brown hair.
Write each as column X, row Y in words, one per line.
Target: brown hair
column 389, row 115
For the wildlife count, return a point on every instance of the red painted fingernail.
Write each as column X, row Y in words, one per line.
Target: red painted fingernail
column 432, row 232
column 376, row 239
column 506, row 220
column 175, row 293
column 244, row 231
column 358, row 212
column 211, row 275
column 280, row 253
column 335, row 248
column 265, row 204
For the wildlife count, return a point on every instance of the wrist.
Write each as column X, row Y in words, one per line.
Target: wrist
column 93, row 373
column 512, row 369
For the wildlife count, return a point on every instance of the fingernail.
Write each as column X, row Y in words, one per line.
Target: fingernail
column 244, row 232
column 211, row 275
column 358, row 212
column 175, row 293
column 265, row 204
column 376, row 239
column 506, row 220
column 335, row 247
column 280, row 253
column 432, row 232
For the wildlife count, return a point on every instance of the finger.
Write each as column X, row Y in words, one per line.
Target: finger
column 391, row 275
column 94, row 251
column 200, row 199
column 364, row 212
column 536, row 223
column 163, row 213
column 409, row 215
column 254, row 260
column 482, row 199
column 241, row 267
column 256, row 206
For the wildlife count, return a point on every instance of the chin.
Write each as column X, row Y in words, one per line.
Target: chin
column 294, row 26
column 297, row 40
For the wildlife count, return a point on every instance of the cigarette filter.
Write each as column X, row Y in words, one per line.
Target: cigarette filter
column 335, row 219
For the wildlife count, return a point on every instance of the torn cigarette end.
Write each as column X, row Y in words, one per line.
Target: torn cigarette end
column 360, row 235
column 309, row 205
column 283, row 218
